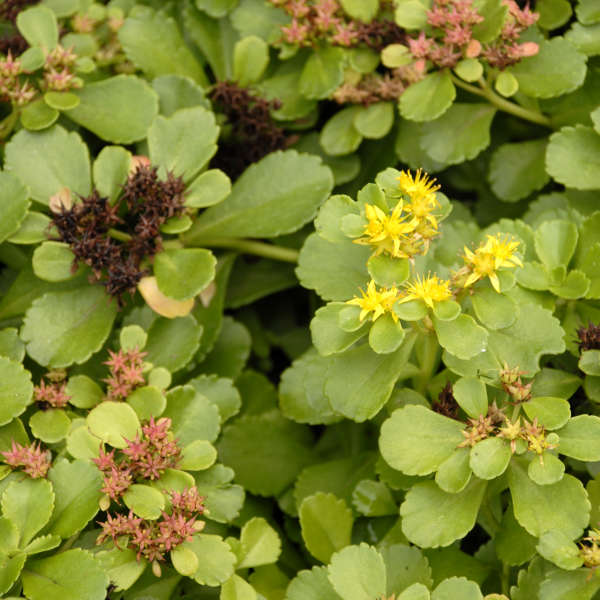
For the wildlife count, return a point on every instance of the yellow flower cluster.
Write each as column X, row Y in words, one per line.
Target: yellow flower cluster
column 491, row 255
column 409, row 228
column 430, row 289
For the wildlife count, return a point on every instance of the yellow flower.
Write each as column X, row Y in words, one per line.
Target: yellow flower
column 430, row 289
column 418, row 186
column 492, row 255
column 386, row 232
column 376, row 301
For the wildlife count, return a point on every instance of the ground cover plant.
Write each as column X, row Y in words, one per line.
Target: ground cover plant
column 299, row 299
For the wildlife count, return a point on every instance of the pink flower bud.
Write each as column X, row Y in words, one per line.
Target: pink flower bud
column 473, row 49
column 529, row 49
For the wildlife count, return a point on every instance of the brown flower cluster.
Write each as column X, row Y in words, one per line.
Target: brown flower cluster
column 589, row 337
column 152, row 539
column 253, row 133
column 446, row 403
column 125, row 373
column 34, row 461
column 514, row 386
column 145, row 457
column 324, row 20
column 453, row 22
column 143, row 207
column 9, row 9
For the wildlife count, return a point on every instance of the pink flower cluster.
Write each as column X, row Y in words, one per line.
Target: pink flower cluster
column 11, row 88
column 52, row 395
column 324, row 20
column 32, row 458
column 145, row 457
column 152, row 539
column 58, row 70
column 125, row 373
column 453, row 22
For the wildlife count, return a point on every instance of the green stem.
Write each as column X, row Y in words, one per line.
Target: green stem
column 119, row 235
column 429, row 362
column 505, row 579
column 68, row 543
column 502, row 104
column 253, row 247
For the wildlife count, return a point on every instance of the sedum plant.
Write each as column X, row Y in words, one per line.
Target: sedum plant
column 299, row 300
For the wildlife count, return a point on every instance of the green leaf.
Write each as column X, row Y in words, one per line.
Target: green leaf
column 495, row 311
column 297, row 184
column 429, row 98
column 259, row 544
column 555, row 242
column 471, row 395
column 153, row 42
column 417, row 591
column 550, row 412
column 494, row 13
column 309, row 585
column 192, row 416
column 50, row 425
column 327, row 335
column 197, row 456
column 70, row 575
column 16, row 390
column 557, row 68
column 38, row 115
column 83, row 391
column 147, row 401
column 514, row 545
column 42, row 543
column 28, row 504
column 323, row 73
column 340, row 276
column 469, row 69
column 386, row 335
column 13, row 205
column 39, row 27
column 62, row 328
column 265, row 465
column 580, row 438
column 589, row 362
column 412, row 14
column 77, row 487
column 111, row 168
column 433, row 518
column 121, row 565
column 409, row 149
column 173, row 342
column 183, row 273
column 52, row 261
column 490, row 457
column 217, row 8
column 61, row 100
column 221, row 392
column 250, row 59
column 223, row 499
column 184, row 142
column 358, row 573
column 587, row 12
column 540, row 508
column 10, row 344
column 373, row 499
column 359, row 381
column 114, row 423
column 416, row 440
column 33, row 229
column 461, row 133
column 517, row 170
column 558, row 548
column 446, row 310
column 339, row 136
column 375, row 121
column 237, row 588
column 326, row 523
column 575, row 585
column 546, row 469
column 405, row 566
column 61, row 160
column 363, row 10
column 10, row 569
column 176, row 91
column 585, row 38
column 210, row 187
column 454, row 473
column 145, row 501
column 462, row 337
column 388, row 271
column 215, row 559
column 506, row 84
column 457, row 587
column 118, row 109
column 573, row 157
column 81, row 443
column 301, row 396
column 553, row 13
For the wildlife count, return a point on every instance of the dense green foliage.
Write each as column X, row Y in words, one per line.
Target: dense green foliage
column 249, row 349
